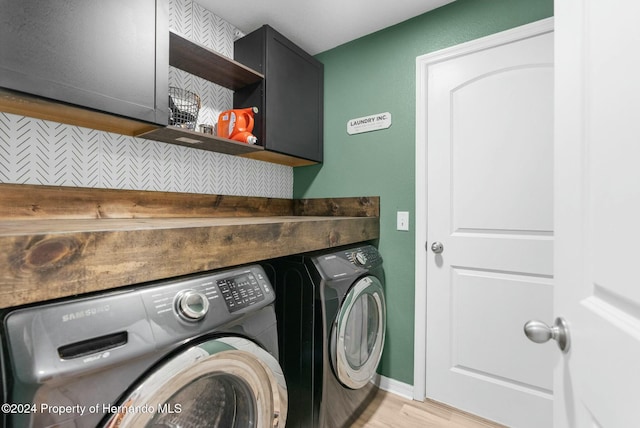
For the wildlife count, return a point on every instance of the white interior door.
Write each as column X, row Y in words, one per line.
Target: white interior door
column 489, row 136
column 597, row 212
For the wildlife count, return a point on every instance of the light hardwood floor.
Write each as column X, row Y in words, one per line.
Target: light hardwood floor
column 389, row 410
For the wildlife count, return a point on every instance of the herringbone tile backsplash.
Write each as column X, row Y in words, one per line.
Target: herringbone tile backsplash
column 34, row 151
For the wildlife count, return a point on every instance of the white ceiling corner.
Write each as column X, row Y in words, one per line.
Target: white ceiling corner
column 319, row 26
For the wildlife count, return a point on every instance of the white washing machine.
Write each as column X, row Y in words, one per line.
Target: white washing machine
column 331, row 314
column 197, row 351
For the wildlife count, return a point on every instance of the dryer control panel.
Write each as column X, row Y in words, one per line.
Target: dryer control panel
column 366, row 256
column 348, row 263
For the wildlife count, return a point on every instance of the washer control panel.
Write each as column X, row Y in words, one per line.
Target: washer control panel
column 192, row 305
column 208, row 299
column 244, row 290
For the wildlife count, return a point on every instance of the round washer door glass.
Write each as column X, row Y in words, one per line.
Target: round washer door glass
column 358, row 334
column 225, row 383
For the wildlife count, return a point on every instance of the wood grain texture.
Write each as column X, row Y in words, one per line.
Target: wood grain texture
column 354, row 207
column 63, row 241
column 208, row 64
column 199, row 140
column 82, row 256
column 388, row 410
column 20, row 201
column 41, row 108
column 279, row 158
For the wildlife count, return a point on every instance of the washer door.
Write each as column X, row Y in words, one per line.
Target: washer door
column 358, row 333
column 227, row 382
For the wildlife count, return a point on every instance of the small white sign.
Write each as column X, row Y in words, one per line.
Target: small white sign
column 374, row 122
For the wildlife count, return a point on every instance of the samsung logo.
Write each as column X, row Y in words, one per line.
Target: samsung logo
column 86, row 313
column 97, row 357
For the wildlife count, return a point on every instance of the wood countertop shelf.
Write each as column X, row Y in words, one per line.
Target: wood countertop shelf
column 58, row 242
column 208, row 64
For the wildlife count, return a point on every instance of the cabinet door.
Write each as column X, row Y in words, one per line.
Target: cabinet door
column 291, row 96
column 101, row 54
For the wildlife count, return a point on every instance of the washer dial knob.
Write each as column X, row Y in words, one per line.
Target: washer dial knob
column 191, row 305
column 359, row 258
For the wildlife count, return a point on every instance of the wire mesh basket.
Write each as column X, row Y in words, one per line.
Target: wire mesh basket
column 184, row 107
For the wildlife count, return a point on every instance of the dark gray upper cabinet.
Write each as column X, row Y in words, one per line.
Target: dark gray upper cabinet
column 109, row 56
column 290, row 99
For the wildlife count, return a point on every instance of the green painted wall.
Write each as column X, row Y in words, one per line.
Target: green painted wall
column 376, row 74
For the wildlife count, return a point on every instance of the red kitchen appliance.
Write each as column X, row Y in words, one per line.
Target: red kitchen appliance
column 237, row 124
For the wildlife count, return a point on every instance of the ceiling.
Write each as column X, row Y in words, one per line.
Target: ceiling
column 317, row 26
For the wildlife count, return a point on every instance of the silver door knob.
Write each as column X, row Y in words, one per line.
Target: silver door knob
column 539, row 332
column 437, row 247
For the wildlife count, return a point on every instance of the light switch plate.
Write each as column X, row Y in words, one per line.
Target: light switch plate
column 403, row 220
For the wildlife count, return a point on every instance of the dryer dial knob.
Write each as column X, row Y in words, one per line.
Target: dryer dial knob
column 360, row 258
column 191, row 305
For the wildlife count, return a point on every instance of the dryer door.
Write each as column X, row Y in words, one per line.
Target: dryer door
column 358, row 333
column 227, row 382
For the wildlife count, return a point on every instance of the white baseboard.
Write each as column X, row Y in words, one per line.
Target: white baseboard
column 394, row 386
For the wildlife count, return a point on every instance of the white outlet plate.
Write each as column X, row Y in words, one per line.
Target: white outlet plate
column 403, row 220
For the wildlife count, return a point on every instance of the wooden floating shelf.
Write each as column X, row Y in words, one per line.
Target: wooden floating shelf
column 199, row 140
column 50, row 259
column 61, row 241
column 209, row 65
column 41, row 108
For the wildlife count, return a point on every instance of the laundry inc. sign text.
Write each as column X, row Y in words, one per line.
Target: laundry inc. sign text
column 369, row 123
